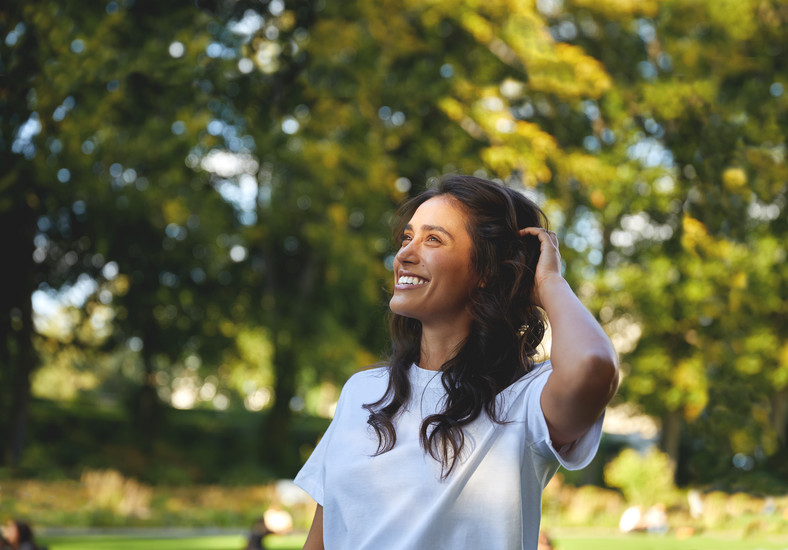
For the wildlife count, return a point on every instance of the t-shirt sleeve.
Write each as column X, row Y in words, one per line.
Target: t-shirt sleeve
column 311, row 477
column 574, row 456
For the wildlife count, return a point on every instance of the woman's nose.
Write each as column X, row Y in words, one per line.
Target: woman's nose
column 407, row 253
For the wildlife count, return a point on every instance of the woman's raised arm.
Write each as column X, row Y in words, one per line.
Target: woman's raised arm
column 585, row 365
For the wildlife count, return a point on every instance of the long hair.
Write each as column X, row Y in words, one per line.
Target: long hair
column 506, row 325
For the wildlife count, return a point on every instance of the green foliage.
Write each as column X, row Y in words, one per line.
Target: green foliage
column 690, row 275
column 124, row 502
column 218, row 180
column 192, row 446
column 108, row 491
column 644, row 479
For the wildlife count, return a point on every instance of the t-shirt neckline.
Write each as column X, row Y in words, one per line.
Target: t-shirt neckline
column 422, row 377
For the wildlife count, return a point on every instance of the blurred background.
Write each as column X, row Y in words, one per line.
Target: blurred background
column 195, row 201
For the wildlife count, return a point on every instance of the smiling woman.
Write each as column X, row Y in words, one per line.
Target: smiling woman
column 462, row 425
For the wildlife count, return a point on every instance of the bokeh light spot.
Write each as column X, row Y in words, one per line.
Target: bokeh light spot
column 178, row 127
column 177, row 49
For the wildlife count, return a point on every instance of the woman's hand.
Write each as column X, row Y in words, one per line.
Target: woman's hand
column 548, row 268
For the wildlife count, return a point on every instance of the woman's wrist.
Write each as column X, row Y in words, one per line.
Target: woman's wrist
column 550, row 289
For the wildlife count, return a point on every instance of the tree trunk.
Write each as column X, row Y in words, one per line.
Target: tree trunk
column 146, row 404
column 779, row 416
column 278, row 449
column 16, row 327
column 18, row 212
column 670, row 439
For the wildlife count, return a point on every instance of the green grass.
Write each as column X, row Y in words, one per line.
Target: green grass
column 580, row 540
column 117, row 542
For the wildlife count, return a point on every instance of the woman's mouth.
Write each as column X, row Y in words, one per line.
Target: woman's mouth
column 410, row 280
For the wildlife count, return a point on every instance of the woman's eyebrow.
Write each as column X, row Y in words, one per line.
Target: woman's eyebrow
column 428, row 228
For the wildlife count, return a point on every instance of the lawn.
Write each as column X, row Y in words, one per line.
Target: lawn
column 120, row 542
column 562, row 541
column 581, row 541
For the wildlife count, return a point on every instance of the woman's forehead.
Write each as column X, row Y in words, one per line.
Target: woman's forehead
column 440, row 209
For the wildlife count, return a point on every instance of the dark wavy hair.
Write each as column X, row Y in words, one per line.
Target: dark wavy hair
column 506, row 325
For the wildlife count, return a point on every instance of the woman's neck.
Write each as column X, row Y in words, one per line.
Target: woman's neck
column 439, row 345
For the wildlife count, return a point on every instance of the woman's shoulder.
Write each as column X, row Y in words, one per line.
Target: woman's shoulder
column 374, row 371
column 370, row 376
column 365, row 386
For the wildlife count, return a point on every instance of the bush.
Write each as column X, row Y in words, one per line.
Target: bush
column 106, row 498
column 564, row 504
column 644, row 479
column 109, row 491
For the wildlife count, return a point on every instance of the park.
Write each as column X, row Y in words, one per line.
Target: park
column 197, row 203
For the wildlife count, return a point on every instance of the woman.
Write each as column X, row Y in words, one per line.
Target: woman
column 451, row 444
column 17, row 535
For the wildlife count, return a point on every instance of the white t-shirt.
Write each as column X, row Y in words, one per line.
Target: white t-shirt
column 397, row 501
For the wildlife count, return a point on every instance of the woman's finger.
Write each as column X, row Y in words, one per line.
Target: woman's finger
column 542, row 233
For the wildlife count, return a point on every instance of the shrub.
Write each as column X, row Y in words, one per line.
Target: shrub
column 109, row 491
column 644, row 479
column 564, row 504
column 592, row 505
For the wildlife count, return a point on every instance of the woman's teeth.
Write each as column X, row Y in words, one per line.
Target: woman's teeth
column 404, row 280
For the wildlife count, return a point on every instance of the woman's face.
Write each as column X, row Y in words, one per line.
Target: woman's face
column 433, row 274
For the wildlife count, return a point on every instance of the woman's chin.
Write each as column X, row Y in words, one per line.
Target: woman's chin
column 399, row 309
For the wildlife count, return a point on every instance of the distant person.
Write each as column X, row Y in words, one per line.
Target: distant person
column 656, row 519
column 259, row 531
column 17, row 535
column 631, row 520
column 450, row 445
column 273, row 522
column 653, row 520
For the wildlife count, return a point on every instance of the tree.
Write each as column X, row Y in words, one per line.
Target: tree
column 97, row 188
column 724, row 117
column 698, row 102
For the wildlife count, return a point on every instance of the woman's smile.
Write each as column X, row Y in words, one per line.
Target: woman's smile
column 407, row 281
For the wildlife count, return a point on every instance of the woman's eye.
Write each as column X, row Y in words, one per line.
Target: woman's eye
column 433, row 238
